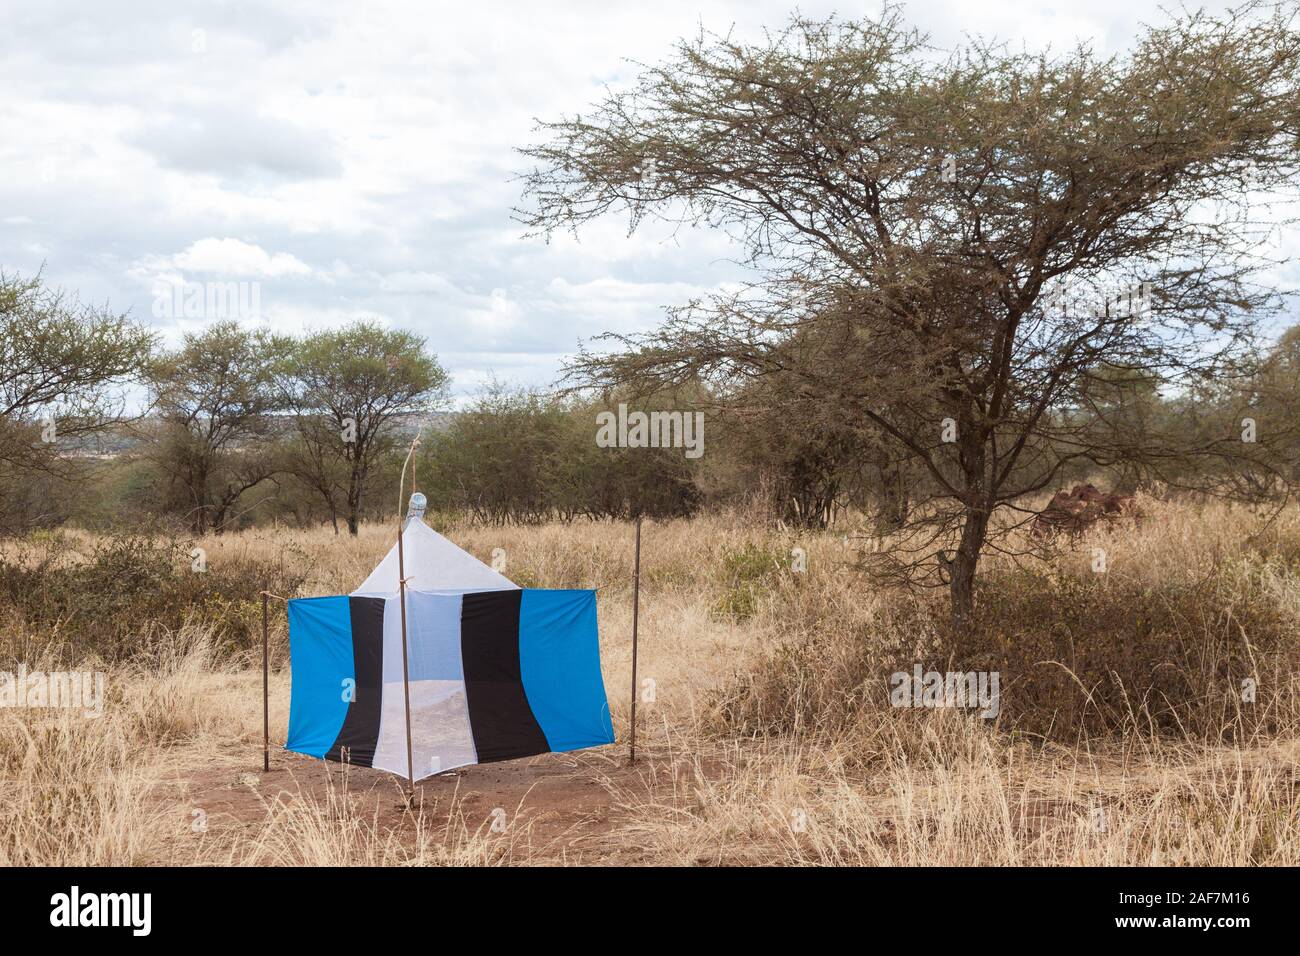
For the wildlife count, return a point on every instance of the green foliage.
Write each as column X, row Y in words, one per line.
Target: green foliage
column 365, row 369
column 213, row 440
column 129, row 588
column 747, row 573
column 522, row 456
column 58, row 355
column 60, row 363
column 348, row 387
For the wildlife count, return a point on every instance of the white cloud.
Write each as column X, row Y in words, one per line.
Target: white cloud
column 230, row 258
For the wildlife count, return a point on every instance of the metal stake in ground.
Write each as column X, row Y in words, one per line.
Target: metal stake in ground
column 266, row 686
column 636, row 604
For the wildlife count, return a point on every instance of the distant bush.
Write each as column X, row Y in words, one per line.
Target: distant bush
column 523, row 457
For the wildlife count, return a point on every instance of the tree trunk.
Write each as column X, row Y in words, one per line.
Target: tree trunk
column 199, row 523
column 198, row 488
column 355, row 484
column 962, row 569
column 894, row 504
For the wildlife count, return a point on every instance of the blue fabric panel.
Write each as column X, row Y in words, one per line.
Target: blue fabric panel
column 559, row 659
column 320, row 653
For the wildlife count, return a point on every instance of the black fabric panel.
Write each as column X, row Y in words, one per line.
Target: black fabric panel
column 499, row 716
column 360, row 732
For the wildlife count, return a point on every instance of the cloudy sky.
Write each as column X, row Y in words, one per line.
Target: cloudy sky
column 358, row 159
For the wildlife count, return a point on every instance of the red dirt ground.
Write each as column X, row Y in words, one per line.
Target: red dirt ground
column 558, row 808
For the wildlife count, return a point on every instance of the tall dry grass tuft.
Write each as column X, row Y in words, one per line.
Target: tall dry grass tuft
column 303, row 829
column 72, row 788
column 963, row 799
column 1184, row 625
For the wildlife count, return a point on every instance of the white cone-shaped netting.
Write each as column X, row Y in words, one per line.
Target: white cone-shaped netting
column 432, row 564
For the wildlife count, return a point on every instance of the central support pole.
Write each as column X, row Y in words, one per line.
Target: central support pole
column 636, row 605
column 266, row 684
column 406, row 673
column 401, row 586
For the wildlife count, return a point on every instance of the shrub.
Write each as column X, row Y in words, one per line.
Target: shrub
column 746, row 572
column 1078, row 655
column 130, row 586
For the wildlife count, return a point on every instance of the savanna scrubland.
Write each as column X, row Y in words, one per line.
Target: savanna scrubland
column 977, row 279
column 1124, row 736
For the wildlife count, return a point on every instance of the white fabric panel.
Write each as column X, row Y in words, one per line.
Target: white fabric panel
column 432, row 564
column 440, row 729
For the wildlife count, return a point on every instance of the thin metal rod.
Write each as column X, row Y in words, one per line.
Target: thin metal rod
column 266, row 685
column 406, row 672
column 401, row 585
column 636, row 606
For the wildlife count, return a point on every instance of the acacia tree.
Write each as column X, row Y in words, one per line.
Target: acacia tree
column 347, row 387
column 960, row 230
column 61, row 363
column 214, row 437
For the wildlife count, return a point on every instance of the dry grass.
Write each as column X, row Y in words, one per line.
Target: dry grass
column 732, row 639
